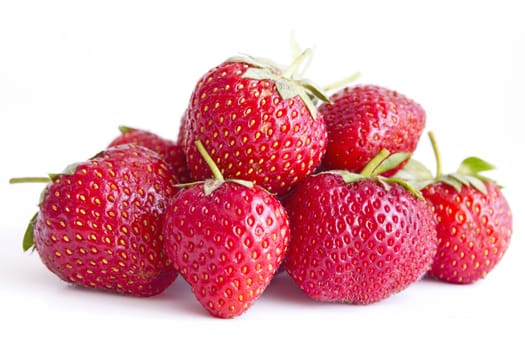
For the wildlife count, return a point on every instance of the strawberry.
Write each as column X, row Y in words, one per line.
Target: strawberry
column 227, row 239
column 474, row 221
column 182, row 129
column 99, row 223
column 364, row 119
column 358, row 238
column 168, row 150
column 257, row 123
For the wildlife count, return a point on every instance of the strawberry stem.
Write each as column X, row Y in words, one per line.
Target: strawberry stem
column 207, row 158
column 22, row 180
column 342, row 82
column 437, row 154
column 289, row 72
column 370, row 168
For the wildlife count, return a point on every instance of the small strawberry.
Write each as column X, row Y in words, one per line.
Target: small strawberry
column 358, row 238
column 99, row 223
column 168, row 150
column 364, row 119
column 474, row 221
column 257, row 123
column 227, row 239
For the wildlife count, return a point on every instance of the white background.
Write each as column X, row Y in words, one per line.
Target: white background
column 71, row 72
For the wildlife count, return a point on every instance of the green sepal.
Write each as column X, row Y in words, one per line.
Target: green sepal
column 478, row 184
column 124, row 129
column 53, row 176
column 258, row 62
column 462, row 179
column 315, row 90
column 309, row 103
column 245, row 183
column 382, row 162
column 474, row 166
column 468, row 173
column 415, row 171
column 391, row 162
column 28, row 241
column 384, row 182
column 211, row 185
column 348, row 177
column 189, row 184
column 451, row 182
column 407, row 185
column 260, row 74
column 287, row 87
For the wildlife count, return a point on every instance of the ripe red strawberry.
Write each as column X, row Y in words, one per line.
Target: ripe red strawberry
column 171, row 152
column 474, row 221
column 227, row 239
column 257, row 123
column 182, row 129
column 362, row 120
column 358, row 238
column 99, row 223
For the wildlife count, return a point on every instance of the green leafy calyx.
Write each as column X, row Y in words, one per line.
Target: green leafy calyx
column 381, row 163
column 28, row 241
column 287, row 86
column 468, row 173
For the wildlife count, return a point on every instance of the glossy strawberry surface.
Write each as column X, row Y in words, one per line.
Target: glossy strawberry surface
column 99, row 224
column 171, row 152
column 227, row 245
column 357, row 242
column 364, row 119
column 251, row 131
column 474, row 231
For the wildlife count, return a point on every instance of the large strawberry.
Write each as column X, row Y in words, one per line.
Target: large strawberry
column 257, row 123
column 358, row 238
column 364, row 119
column 99, row 223
column 227, row 239
column 168, row 150
column 474, row 221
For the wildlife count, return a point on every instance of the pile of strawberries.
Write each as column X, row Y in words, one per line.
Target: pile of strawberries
column 268, row 171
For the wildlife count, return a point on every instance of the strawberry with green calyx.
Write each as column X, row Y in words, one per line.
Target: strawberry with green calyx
column 474, row 220
column 257, row 123
column 358, row 238
column 363, row 119
column 99, row 222
column 168, row 150
column 227, row 239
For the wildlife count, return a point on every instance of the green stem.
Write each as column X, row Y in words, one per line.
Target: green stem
column 207, row 158
column 436, row 153
column 342, row 82
column 288, row 73
column 22, row 180
column 369, row 169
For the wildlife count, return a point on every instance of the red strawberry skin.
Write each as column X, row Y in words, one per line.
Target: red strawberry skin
column 171, row 152
column 474, row 231
column 100, row 226
column 250, row 131
column 227, row 245
column 364, row 119
column 357, row 243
